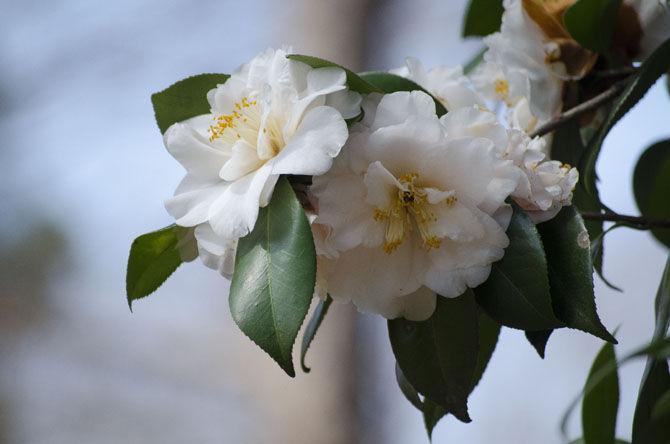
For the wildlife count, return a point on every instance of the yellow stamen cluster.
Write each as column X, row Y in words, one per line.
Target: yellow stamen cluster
column 409, row 204
column 227, row 126
column 501, row 87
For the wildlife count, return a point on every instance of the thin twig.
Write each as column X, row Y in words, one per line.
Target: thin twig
column 580, row 109
column 639, row 221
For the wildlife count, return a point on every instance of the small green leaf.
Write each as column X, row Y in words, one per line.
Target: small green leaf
column 567, row 247
column 649, row 72
column 539, row 339
column 489, row 330
column 390, row 83
column 439, row 356
column 656, row 377
column 474, row 62
column 407, row 390
column 354, row 82
column 310, row 331
column 185, row 99
column 651, row 184
column 661, row 411
column 153, row 258
column 601, row 402
column 591, row 23
column 275, row 273
column 482, row 18
column 516, row 294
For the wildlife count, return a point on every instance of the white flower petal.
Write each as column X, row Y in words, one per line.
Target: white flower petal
column 243, row 161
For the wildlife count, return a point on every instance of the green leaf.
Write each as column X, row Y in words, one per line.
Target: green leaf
column 516, row 294
column 483, row 17
column 566, row 245
column 406, row 388
column 648, row 73
column 539, row 339
column 591, row 23
column 153, row 258
column 310, row 331
column 489, row 330
column 273, row 282
column 601, row 402
column 616, row 441
column 651, row 184
column 390, row 83
column 661, row 411
column 355, row 82
column 656, row 377
column 439, row 356
column 185, row 99
column 474, row 61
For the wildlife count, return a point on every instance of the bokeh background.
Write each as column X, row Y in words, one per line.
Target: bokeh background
column 83, row 171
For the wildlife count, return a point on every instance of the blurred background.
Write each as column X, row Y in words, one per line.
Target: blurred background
column 83, row 171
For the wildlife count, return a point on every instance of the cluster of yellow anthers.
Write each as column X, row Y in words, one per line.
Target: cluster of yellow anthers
column 501, row 87
column 409, row 203
column 245, row 111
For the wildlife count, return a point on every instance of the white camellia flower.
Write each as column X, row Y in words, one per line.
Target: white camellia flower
column 272, row 116
column 524, row 61
column 545, row 186
column 446, row 84
column 413, row 206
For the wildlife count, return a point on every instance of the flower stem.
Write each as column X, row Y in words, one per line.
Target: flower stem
column 609, row 94
column 639, row 222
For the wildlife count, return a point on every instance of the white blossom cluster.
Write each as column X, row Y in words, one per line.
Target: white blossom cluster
column 405, row 204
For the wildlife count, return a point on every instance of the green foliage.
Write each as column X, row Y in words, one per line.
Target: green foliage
column 275, row 272
column 482, row 18
column 539, row 339
column 489, row 330
column 439, row 356
column 390, row 83
column 153, row 258
column 474, row 61
column 601, row 402
column 516, row 293
column 566, row 244
column 591, row 22
column 185, row 99
column 310, row 331
column 355, row 82
column 656, row 377
column 651, row 184
column 648, row 73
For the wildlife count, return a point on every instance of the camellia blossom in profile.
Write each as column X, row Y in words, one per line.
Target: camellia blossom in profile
column 272, row 116
column 446, row 84
column 410, row 209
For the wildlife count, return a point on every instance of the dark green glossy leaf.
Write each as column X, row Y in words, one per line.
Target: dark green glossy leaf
column 601, row 402
column 355, row 82
column 489, row 330
column 651, row 184
column 567, row 247
column 516, row 294
column 390, row 83
column 616, row 441
column 439, row 356
column 591, row 22
column 649, row 72
column 539, row 339
column 153, row 258
column 661, row 411
column 407, row 390
column 185, row 99
column 310, row 331
column 274, row 277
column 482, row 18
column 656, row 377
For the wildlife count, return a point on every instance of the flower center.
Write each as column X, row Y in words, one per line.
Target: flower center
column 501, row 87
column 409, row 208
column 246, row 123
